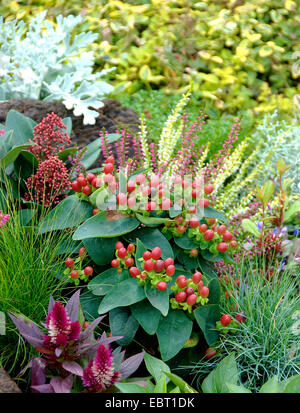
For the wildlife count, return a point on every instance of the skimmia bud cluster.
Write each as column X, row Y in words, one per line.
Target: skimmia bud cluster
column 124, row 257
column 189, row 292
column 75, row 269
column 155, row 270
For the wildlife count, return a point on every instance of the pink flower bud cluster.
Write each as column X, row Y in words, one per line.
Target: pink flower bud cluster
column 50, row 183
column 3, row 218
column 2, row 132
column 50, row 137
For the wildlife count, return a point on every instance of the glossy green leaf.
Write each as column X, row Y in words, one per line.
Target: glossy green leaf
column 206, row 317
column 152, row 237
column 214, row 291
column 159, row 299
column 147, row 316
column 156, row 367
column 122, row 323
column 21, row 125
column 185, row 242
column 103, row 283
column 178, row 381
column 100, row 250
column 226, row 372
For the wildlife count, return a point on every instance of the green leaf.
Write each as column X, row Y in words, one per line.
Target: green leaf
column 67, row 214
column 106, row 225
column 293, row 210
column 233, row 388
column 268, row 191
column 151, row 220
column 185, row 242
column 89, row 304
column 68, row 246
column 174, row 212
column 12, row 155
column 145, row 73
column 271, row 386
column 156, row 367
column 225, row 373
column 93, row 150
column 63, row 155
column 140, row 249
column 207, row 255
column 292, row 384
column 249, row 226
column 147, row 316
column 130, row 388
column 178, row 381
column 21, row 125
column 159, row 299
column 173, row 332
column 161, row 386
column 214, row 291
column 122, row 323
column 25, row 165
column 126, row 293
column 68, row 123
column 213, row 213
column 100, row 250
column 103, row 283
column 206, row 317
column 25, row 216
column 152, row 237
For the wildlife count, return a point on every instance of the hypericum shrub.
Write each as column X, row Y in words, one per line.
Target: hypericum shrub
column 69, row 350
column 43, row 61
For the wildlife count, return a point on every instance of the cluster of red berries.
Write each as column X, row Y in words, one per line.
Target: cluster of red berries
column 221, row 239
column 159, row 272
column 124, row 257
column 226, row 320
column 189, row 292
column 74, row 268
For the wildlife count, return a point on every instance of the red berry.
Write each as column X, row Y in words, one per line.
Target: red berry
column 208, row 235
column 81, row 251
column 181, row 282
column 130, row 248
column 151, row 206
column 108, row 168
column 161, row 285
column 121, row 199
column 192, row 209
column 166, row 204
column 131, row 201
column 159, row 266
column 203, row 203
column 76, row 186
column 90, row 177
column 148, row 265
column 185, row 184
column 178, row 220
column 96, row 182
column 210, row 352
column 169, row 261
column 69, row 262
column 115, row 263
column 130, row 186
column 88, row 270
column 209, row 189
column 194, row 222
column 233, row 244
column 222, row 247
column 197, row 277
column 189, row 290
column 240, row 317
column 156, row 253
column 129, row 262
column 211, row 221
column 122, row 252
column 147, row 255
column 74, row 274
column 110, row 159
column 202, row 228
column 200, row 285
column 225, row 320
column 227, row 236
column 134, row 271
column 180, row 296
column 119, row 245
column 181, row 229
column 140, row 179
column 81, row 180
column 170, row 270
column 194, row 252
column 96, row 211
column 143, row 276
column 204, row 291
column 197, row 183
column 191, row 300
column 146, row 191
column 195, row 193
column 154, row 182
column 86, row 190
column 221, row 229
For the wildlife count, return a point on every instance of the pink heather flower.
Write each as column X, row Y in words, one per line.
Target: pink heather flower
column 60, row 328
column 99, row 374
column 50, row 137
column 2, row 132
column 50, row 183
column 3, row 218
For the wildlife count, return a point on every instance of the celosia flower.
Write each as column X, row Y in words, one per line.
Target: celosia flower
column 2, row 132
column 100, row 374
column 3, row 218
column 50, row 183
column 50, row 137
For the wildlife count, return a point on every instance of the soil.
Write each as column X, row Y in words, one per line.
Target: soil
column 112, row 116
column 6, row 384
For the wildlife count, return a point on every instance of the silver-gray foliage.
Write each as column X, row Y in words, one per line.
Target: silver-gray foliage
column 42, row 61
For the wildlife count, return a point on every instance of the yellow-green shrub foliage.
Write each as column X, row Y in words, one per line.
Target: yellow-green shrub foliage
column 238, row 54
